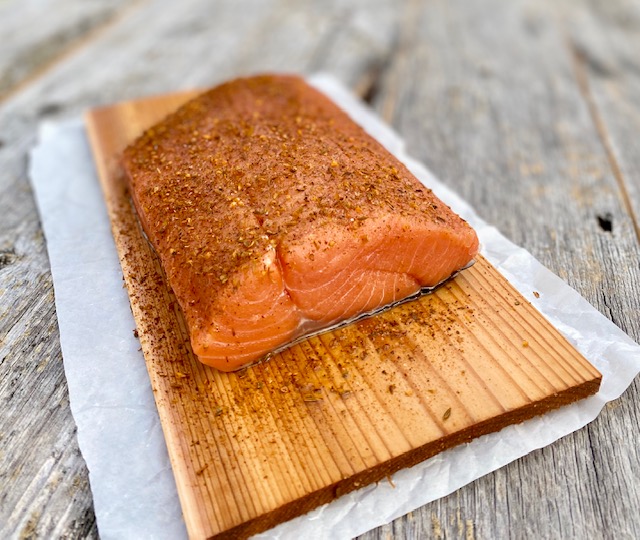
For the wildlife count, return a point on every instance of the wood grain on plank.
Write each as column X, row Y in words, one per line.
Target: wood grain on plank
column 340, row 410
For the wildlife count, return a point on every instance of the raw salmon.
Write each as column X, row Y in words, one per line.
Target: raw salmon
column 275, row 215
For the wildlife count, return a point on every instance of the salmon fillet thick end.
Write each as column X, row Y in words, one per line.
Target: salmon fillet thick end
column 274, row 216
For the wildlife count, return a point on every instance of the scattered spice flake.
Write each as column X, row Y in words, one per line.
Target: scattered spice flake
column 135, row 333
column 536, row 294
column 311, row 397
column 525, row 343
column 201, row 469
column 446, row 414
column 392, row 387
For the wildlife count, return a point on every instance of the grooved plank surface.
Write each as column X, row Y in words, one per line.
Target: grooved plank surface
column 253, row 448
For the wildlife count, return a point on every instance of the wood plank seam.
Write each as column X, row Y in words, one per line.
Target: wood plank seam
column 396, row 61
column 582, row 78
column 71, row 49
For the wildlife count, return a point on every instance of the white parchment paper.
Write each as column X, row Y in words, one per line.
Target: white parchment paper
column 119, row 430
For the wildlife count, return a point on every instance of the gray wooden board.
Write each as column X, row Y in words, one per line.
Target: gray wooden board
column 529, row 109
column 36, row 37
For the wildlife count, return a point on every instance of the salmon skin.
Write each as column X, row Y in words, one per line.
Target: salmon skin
column 275, row 216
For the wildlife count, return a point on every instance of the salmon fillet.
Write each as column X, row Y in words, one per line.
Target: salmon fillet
column 274, row 215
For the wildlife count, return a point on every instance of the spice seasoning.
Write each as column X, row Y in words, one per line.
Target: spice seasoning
column 243, row 179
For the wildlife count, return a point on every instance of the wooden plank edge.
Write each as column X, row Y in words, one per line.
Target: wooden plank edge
column 123, row 239
column 413, row 457
column 150, row 101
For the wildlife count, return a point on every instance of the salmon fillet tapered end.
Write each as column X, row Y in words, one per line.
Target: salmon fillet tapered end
column 275, row 215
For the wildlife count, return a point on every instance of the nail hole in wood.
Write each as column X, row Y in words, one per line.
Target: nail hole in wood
column 370, row 94
column 606, row 222
column 376, row 75
column 49, row 109
column 7, row 257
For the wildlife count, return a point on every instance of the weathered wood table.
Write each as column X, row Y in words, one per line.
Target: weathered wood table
column 529, row 109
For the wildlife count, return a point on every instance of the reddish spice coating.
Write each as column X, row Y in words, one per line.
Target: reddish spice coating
column 260, row 164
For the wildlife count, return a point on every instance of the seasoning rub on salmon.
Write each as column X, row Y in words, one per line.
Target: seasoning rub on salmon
column 275, row 215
